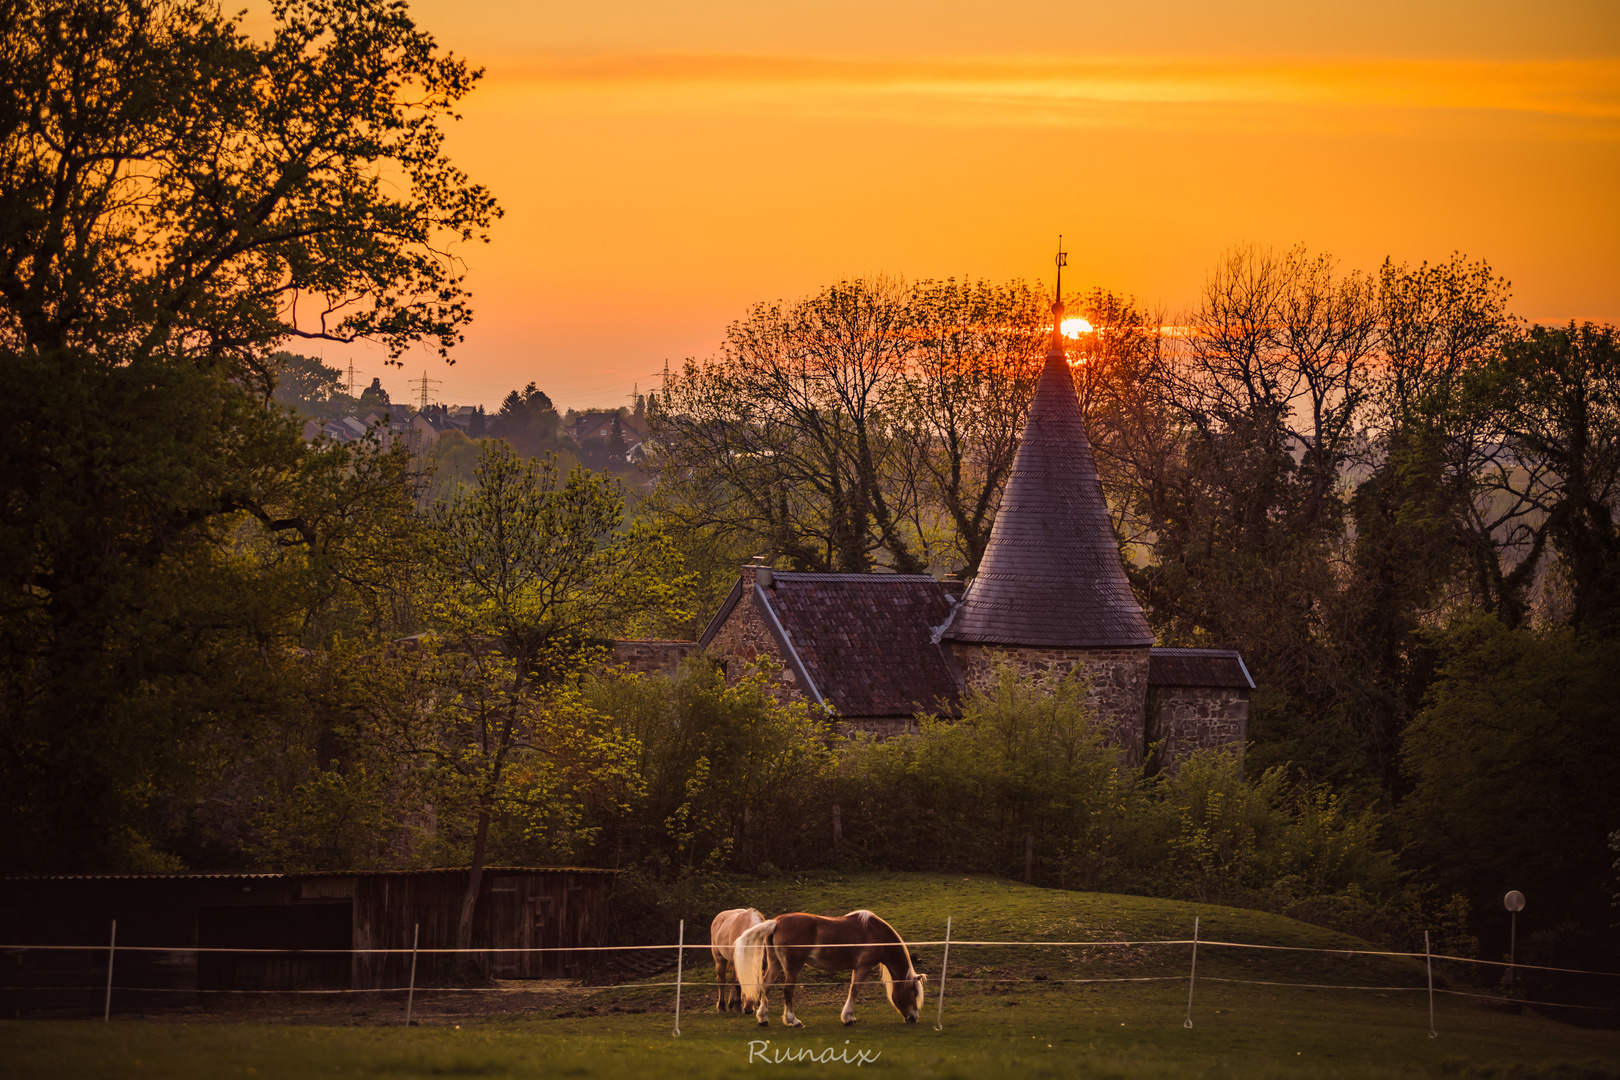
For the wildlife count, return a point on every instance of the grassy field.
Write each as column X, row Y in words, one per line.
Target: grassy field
column 1008, row 1012
column 991, row 909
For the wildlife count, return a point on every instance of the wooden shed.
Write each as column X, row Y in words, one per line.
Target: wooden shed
column 179, row 934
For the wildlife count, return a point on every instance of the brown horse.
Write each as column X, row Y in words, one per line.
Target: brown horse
column 857, row 942
column 727, row 927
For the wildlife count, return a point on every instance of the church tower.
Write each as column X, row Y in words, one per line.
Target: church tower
column 1051, row 590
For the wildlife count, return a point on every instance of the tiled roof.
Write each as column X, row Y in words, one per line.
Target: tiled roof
column 1198, row 667
column 866, row 640
column 1051, row 575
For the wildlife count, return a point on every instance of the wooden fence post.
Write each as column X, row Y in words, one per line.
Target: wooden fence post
column 112, row 948
column 1192, row 977
column 1428, row 960
column 410, row 994
column 680, row 950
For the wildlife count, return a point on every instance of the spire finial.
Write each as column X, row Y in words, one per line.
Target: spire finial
column 1062, row 261
column 1055, row 347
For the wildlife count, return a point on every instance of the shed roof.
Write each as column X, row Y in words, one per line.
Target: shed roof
column 1198, row 667
column 1051, row 575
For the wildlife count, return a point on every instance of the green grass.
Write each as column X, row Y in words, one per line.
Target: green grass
column 991, row 909
column 1120, row 1032
column 999, row 1020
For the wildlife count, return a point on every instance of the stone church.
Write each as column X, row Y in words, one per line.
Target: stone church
column 1050, row 592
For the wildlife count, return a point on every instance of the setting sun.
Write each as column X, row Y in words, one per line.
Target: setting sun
column 1075, row 327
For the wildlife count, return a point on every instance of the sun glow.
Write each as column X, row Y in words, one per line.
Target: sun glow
column 1075, row 327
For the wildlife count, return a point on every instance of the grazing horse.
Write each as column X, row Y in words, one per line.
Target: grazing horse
column 857, row 942
column 723, row 934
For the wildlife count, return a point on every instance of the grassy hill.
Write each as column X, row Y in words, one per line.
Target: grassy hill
column 990, row 909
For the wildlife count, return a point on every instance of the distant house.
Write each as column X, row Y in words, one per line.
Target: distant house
column 463, row 418
column 415, row 431
column 423, row 433
column 598, row 424
column 345, row 429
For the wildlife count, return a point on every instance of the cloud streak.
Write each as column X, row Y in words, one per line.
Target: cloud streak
column 1577, row 90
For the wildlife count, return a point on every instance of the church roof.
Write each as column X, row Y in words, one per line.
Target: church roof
column 864, row 642
column 1051, row 575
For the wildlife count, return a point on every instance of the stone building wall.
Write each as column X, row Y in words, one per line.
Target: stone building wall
column 1118, row 682
column 881, row 727
column 652, row 657
column 744, row 639
column 1189, row 718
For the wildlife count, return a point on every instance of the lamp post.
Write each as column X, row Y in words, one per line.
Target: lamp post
column 1514, row 902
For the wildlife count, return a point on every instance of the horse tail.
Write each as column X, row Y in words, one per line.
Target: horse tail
column 752, row 951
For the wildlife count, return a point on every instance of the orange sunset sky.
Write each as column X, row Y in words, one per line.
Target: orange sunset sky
column 665, row 164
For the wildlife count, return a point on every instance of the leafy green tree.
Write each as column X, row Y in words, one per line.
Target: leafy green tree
column 733, row 777
column 1422, row 527
column 1241, row 501
column 1028, row 758
column 534, row 571
column 306, row 384
column 1553, row 393
column 177, row 200
column 529, row 421
column 1515, row 772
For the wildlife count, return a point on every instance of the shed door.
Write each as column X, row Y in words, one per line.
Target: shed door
column 506, row 927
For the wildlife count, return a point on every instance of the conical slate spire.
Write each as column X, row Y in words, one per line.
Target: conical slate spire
column 1051, row 576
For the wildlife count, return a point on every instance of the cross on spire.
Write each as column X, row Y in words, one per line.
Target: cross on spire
column 1062, row 260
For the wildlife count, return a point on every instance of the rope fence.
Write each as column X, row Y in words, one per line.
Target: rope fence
column 680, row 948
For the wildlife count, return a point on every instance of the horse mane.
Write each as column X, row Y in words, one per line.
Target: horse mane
column 889, row 976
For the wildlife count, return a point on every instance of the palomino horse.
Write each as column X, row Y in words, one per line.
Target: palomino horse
column 860, row 941
column 723, row 934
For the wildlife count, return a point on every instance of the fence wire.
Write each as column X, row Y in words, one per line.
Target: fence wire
column 704, row 947
column 816, row 988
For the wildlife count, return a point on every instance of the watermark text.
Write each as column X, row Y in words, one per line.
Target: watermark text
column 759, row 1050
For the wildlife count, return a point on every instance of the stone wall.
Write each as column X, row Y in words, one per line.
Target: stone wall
column 1188, row 718
column 743, row 640
column 1118, row 682
column 652, row 657
column 881, row 727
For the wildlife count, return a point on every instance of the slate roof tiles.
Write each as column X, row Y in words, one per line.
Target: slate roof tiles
column 1198, row 667
column 866, row 640
column 1051, row 575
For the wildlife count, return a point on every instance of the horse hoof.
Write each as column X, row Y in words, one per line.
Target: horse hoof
column 849, row 1023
